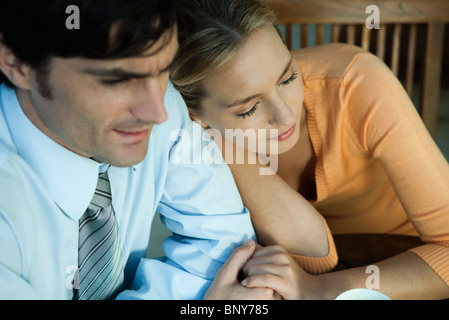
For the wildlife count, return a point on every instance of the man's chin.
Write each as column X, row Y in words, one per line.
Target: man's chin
column 126, row 157
column 128, row 161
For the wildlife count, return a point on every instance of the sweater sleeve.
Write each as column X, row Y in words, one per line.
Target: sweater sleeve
column 317, row 265
column 387, row 125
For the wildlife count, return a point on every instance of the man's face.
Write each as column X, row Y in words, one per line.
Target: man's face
column 104, row 109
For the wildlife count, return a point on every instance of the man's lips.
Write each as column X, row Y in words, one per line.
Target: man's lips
column 287, row 134
column 133, row 136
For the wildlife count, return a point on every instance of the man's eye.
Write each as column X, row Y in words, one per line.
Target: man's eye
column 114, row 82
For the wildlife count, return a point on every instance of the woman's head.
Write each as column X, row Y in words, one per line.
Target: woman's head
column 235, row 72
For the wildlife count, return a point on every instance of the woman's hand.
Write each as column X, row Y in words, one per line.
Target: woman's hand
column 273, row 267
column 226, row 285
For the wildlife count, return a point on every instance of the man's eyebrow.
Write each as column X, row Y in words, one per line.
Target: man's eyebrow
column 122, row 73
column 248, row 99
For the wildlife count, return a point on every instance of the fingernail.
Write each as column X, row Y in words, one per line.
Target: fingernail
column 249, row 243
column 244, row 282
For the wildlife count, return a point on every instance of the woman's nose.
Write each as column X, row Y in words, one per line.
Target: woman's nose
column 281, row 113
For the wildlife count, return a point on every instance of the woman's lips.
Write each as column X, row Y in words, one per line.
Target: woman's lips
column 287, row 134
column 133, row 136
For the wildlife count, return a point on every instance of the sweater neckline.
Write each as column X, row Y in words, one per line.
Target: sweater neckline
column 317, row 143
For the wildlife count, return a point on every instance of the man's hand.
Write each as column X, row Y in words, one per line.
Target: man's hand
column 273, row 267
column 226, row 285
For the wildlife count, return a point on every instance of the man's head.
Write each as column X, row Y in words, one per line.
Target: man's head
column 96, row 90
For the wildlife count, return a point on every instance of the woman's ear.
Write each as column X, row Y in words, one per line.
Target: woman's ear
column 194, row 117
column 16, row 71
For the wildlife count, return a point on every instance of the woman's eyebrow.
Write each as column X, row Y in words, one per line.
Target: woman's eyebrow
column 246, row 100
column 241, row 101
column 287, row 68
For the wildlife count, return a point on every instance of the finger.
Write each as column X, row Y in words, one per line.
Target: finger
column 263, row 251
column 258, row 294
column 277, row 296
column 239, row 257
column 278, row 284
column 274, row 258
column 269, row 268
column 259, row 247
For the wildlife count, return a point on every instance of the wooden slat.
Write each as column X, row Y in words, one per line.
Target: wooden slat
column 288, row 35
column 354, row 11
column 432, row 77
column 380, row 50
column 366, row 34
column 410, row 73
column 335, row 33
column 350, row 34
column 396, row 48
column 319, row 34
column 304, row 35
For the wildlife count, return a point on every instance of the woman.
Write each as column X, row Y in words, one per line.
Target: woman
column 349, row 142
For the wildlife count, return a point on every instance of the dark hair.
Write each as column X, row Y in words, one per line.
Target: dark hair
column 35, row 30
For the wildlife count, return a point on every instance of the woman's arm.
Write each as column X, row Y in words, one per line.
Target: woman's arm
column 281, row 216
column 386, row 124
column 405, row 276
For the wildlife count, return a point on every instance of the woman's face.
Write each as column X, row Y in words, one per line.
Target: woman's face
column 259, row 90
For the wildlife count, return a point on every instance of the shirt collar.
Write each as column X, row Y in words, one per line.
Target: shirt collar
column 70, row 178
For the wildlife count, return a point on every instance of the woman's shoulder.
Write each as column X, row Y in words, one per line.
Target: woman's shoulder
column 327, row 61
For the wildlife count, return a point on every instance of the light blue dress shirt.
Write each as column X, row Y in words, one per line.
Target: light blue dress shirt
column 45, row 188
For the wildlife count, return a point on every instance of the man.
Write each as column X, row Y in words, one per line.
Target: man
column 80, row 176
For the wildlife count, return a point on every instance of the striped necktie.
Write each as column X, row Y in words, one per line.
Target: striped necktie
column 99, row 252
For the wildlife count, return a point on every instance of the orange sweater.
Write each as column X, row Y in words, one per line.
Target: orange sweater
column 378, row 170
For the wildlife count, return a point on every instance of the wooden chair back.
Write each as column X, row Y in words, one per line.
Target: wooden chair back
column 397, row 40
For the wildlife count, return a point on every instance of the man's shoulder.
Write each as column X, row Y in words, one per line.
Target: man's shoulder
column 6, row 151
column 14, row 170
column 178, row 119
column 176, row 108
column 7, row 147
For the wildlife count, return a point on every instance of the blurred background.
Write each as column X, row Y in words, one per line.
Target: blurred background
column 442, row 135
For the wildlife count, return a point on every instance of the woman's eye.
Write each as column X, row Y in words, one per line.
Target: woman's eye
column 248, row 113
column 292, row 78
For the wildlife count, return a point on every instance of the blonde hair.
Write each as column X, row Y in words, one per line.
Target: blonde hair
column 218, row 30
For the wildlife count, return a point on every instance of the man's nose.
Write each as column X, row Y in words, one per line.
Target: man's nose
column 149, row 105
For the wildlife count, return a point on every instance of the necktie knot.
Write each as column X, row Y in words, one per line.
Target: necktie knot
column 102, row 197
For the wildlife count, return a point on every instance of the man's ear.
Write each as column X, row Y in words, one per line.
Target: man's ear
column 17, row 72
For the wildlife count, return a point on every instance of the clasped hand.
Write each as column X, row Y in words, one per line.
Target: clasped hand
column 269, row 273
